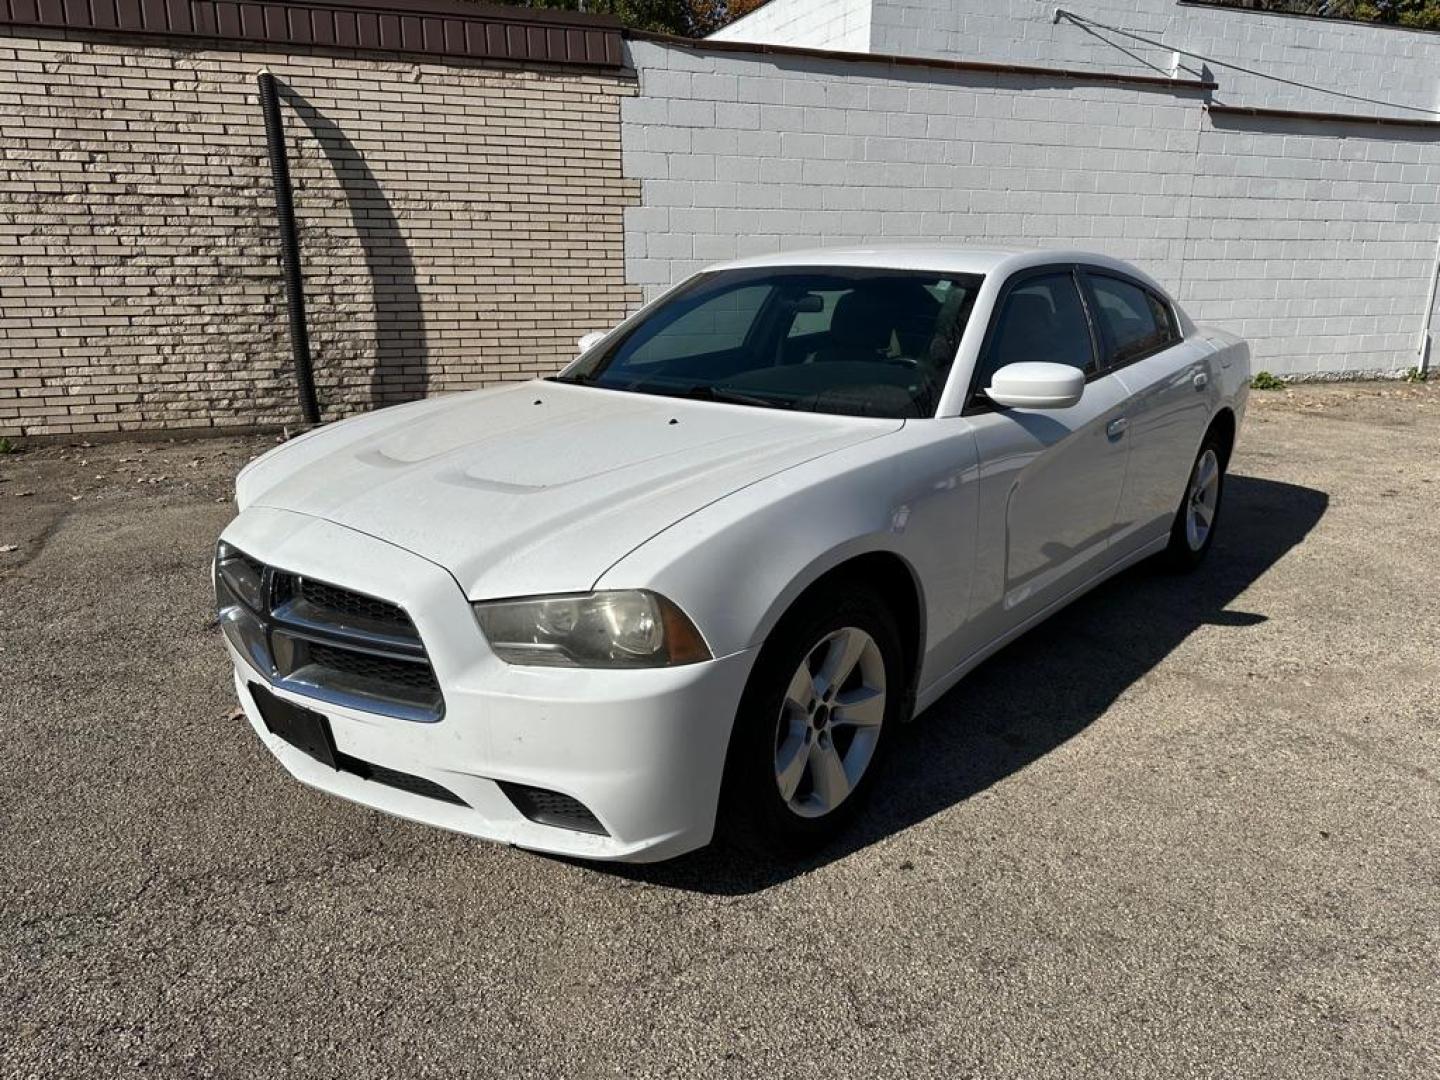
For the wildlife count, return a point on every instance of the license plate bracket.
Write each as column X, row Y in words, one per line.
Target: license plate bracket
column 306, row 730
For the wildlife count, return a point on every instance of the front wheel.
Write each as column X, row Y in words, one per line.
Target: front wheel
column 813, row 722
column 1194, row 528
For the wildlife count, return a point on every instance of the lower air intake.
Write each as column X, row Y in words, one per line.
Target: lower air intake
column 415, row 785
column 552, row 808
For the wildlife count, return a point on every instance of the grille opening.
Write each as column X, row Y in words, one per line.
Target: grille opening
column 325, row 604
column 367, row 666
column 552, row 808
column 332, row 643
column 384, row 679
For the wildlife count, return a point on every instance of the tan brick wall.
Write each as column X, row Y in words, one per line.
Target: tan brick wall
column 460, row 225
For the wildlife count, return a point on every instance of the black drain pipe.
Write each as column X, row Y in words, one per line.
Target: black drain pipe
column 289, row 245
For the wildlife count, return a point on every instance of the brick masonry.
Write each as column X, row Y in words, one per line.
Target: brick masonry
column 461, row 224
column 464, row 221
column 1315, row 239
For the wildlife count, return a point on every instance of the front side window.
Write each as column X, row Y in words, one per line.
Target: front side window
column 1135, row 321
column 1041, row 319
column 846, row 340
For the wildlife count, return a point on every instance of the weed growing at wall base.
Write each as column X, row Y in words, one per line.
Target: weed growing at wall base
column 1263, row 380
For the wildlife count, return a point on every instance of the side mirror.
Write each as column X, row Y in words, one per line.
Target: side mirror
column 590, row 340
column 1036, row 386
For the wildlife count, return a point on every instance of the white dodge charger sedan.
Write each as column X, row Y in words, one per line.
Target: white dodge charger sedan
column 697, row 579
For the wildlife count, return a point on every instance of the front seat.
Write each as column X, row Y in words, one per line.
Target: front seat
column 859, row 329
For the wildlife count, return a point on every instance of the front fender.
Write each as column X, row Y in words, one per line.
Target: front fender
column 739, row 564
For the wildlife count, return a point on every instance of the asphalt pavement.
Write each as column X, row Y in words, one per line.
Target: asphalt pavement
column 1189, row 828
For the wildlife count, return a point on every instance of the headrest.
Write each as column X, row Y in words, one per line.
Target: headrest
column 860, row 323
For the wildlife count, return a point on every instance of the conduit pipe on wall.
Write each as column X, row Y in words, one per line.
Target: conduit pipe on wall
column 1422, row 362
column 289, row 245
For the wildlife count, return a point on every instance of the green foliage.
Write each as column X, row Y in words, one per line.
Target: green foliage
column 696, row 18
column 666, row 16
column 1416, row 375
column 1265, row 381
column 1415, row 14
column 6, row 446
column 690, row 18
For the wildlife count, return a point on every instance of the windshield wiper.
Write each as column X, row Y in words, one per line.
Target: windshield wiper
column 711, row 392
column 698, row 392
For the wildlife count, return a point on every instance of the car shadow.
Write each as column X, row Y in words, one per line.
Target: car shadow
column 1041, row 690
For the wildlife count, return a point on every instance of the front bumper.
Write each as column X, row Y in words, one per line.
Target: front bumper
column 643, row 750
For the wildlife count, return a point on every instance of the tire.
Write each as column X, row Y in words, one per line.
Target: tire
column 1193, row 531
column 783, row 794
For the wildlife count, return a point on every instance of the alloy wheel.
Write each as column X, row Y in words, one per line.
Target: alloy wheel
column 829, row 723
column 1202, row 500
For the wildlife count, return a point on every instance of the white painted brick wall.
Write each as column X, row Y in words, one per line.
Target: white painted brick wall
column 841, row 25
column 1365, row 61
column 1312, row 239
column 1362, row 60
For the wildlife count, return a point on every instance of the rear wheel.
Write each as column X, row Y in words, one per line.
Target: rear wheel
column 1193, row 530
column 813, row 722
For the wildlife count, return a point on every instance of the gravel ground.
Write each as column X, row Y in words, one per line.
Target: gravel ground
column 1188, row 828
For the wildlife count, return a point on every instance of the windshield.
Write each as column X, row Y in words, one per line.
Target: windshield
column 849, row 340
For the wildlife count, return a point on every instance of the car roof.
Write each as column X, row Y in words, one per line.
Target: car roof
column 950, row 260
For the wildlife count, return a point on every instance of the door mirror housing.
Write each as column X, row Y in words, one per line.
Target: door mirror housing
column 1036, row 386
column 590, row 340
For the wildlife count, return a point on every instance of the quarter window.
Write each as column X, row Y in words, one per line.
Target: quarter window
column 1136, row 321
column 1041, row 318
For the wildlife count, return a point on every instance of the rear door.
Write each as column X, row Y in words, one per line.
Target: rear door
column 1167, row 381
column 1050, row 478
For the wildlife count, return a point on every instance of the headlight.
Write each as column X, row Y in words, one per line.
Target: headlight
column 603, row 629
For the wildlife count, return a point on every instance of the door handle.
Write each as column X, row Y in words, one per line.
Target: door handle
column 1201, row 380
column 1117, row 427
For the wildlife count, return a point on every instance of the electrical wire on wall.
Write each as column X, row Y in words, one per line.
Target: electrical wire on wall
column 1092, row 25
column 1085, row 22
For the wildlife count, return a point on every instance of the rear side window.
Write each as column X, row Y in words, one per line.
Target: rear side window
column 1041, row 318
column 1135, row 321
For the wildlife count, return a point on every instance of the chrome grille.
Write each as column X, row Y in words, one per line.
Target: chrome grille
column 326, row 641
column 380, row 669
column 343, row 606
column 255, row 565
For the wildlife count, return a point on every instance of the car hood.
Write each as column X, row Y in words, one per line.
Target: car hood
column 538, row 487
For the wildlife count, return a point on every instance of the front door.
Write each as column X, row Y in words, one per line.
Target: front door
column 1050, row 479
